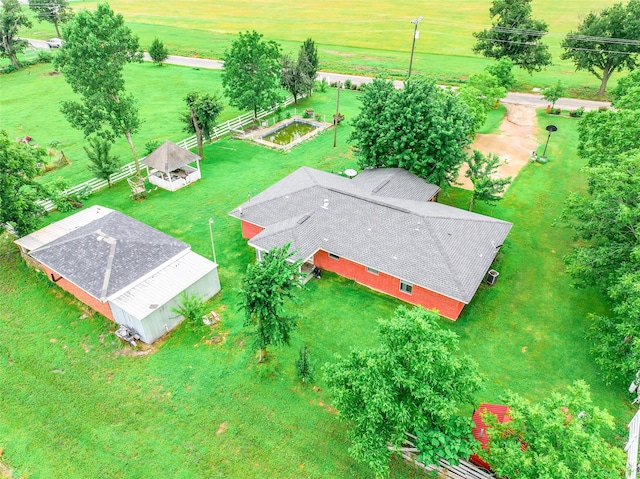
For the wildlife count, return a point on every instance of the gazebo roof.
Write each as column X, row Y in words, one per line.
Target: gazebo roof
column 168, row 157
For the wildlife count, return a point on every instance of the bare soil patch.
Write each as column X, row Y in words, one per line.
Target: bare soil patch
column 514, row 144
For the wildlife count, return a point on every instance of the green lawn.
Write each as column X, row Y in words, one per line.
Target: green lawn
column 71, row 406
column 354, row 37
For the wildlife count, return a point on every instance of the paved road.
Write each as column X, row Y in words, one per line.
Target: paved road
column 528, row 99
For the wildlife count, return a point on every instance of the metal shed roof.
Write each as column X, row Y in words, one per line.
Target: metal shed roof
column 164, row 285
column 60, row 228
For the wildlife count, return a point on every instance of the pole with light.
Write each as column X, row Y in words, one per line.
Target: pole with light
column 416, row 34
column 550, row 129
column 336, row 117
column 213, row 248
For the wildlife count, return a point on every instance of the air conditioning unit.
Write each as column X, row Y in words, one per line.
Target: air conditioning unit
column 492, row 277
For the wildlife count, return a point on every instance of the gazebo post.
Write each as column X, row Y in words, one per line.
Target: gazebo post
column 198, row 164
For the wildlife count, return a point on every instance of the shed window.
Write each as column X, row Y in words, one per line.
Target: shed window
column 406, row 287
column 372, row 271
column 334, row 256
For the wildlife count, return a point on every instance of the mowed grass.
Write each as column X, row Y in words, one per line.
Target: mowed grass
column 358, row 36
column 31, row 101
column 72, row 406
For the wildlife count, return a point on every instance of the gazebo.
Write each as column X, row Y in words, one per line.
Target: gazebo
column 169, row 167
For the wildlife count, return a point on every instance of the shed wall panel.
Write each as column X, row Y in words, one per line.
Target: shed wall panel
column 163, row 319
column 447, row 307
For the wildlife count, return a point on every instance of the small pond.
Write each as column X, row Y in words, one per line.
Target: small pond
column 289, row 133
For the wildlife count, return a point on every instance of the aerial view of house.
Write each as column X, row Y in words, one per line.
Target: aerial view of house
column 381, row 229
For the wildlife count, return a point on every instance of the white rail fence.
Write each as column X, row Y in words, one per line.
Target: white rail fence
column 129, row 169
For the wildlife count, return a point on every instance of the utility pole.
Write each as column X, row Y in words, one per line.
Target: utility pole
column 416, row 34
column 336, row 116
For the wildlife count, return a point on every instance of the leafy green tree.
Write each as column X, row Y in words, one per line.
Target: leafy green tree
column 414, row 382
column 482, row 171
column 101, row 162
column 562, row 437
column 605, row 134
column 95, row 72
column 606, row 223
column 503, row 71
column 596, row 47
column 12, row 18
column 251, row 76
column 18, row 190
column 265, row 287
column 158, row 52
column 554, row 93
column 294, row 75
column 626, row 94
column 515, row 34
column 52, row 11
column 204, row 110
column 482, row 94
column 309, row 50
column 422, row 128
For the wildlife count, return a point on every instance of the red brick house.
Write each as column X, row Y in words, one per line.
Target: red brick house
column 381, row 229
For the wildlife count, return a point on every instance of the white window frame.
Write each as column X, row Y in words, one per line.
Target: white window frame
column 404, row 286
column 334, row 256
column 373, row 271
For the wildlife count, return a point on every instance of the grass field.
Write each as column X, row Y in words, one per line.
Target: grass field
column 73, row 406
column 356, row 36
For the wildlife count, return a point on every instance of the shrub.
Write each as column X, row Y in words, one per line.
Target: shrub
column 44, row 57
column 9, row 69
column 577, row 113
column 321, row 86
column 354, row 86
column 192, row 308
column 304, row 365
column 347, row 84
column 603, row 108
column 555, row 111
column 318, row 116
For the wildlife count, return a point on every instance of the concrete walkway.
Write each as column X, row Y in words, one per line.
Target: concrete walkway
column 528, row 99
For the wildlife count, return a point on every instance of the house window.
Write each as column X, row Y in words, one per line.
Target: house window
column 372, row 271
column 334, row 256
column 406, row 287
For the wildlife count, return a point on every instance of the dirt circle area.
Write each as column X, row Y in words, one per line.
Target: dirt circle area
column 514, row 144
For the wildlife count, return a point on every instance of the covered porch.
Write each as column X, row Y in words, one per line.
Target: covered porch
column 170, row 167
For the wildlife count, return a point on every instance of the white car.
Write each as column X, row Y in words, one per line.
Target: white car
column 55, row 43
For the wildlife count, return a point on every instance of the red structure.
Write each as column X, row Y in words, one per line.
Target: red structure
column 382, row 229
column 479, row 431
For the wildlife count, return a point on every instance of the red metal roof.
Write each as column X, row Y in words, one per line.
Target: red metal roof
column 480, row 429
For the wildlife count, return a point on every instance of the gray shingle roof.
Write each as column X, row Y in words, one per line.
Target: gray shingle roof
column 168, row 157
column 438, row 247
column 109, row 253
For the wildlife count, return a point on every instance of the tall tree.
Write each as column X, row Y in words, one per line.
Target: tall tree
column 98, row 46
column 606, row 223
column 414, row 382
column 422, row 128
column 203, row 112
column 515, row 34
column 101, row 162
column 606, row 42
column 251, row 76
column 265, row 287
column 12, row 18
column 52, row 11
column 158, row 52
column 18, row 190
column 503, row 71
column 562, row 437
column 626, row 94
column 482, row 171
column 294, row 75
column 310, row 51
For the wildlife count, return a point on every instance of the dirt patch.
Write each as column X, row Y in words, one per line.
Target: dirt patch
column 340, row 54
column 514, row 144
column 222, row 428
